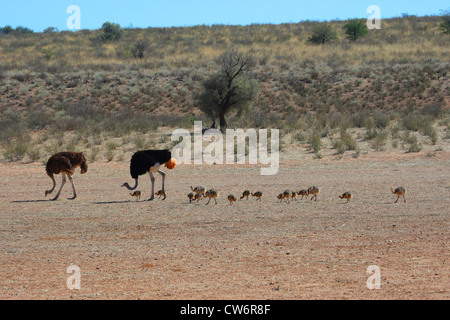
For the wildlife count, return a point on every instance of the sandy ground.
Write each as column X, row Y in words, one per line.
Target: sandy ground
column 249, row 250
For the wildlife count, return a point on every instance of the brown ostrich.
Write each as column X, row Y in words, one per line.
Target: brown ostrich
column 65, row 163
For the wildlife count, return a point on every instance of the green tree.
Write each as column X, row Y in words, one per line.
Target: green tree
column 111, row 31
column 23, row 30
column 355, row 29
column 6, row 29
column 230, row 88
column 50, row 30
column 445, row 22
column 322, row 33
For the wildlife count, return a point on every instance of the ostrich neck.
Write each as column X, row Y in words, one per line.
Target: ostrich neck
column 128, row 186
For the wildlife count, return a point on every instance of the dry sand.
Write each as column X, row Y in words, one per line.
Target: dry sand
column 249, row 250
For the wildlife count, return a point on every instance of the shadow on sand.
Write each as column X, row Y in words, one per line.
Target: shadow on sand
column 116, row 202
column 31, row 201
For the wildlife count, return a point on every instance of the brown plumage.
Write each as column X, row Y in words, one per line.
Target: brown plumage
column 231, row 198
column 399, row 192
column 283, row 196
column 191, row 197
column 258, row 195
column 136, row 194
column 245, row 194
column 198, row 197
column 161, row 193
column 65, row 163
column 286, row 195
column 198, row 189
column 212, row 194
column 314, row 191
column 303, row 193
column 294, row 195
column 346, row 195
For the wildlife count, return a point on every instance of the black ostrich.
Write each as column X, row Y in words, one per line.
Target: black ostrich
column 149, row 161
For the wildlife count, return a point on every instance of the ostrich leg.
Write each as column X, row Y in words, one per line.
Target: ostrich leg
column 62, row 185
column 73, row 187
column 152, row 178
column 54, row 185
column 163, row 180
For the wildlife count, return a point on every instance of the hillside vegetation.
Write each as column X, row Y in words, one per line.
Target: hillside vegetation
column 73, row 90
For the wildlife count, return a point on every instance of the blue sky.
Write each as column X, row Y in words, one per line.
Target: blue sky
column 40, row 14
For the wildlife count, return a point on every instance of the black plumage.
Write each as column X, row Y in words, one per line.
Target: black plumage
column 143, row 160
column 148, row 161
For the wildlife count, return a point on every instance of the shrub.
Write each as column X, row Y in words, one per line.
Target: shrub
column 445, row 23
column 345, row 143
column 379, row 142
column 16, row 150
column 322, row 33
column 34, row 154
column 93, row 154
column 110, row 155
column 23, row 30
column 371, row 133
column 412, row 143
column 433, row 109
column 348, row 141
column 50, row 30
column 111, row 31
column 315, row 143
column 416, row 122
column 355, row 29
column 6, row 30
column 381, row 120
column 139, row 49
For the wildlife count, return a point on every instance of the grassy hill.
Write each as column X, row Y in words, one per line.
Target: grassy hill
column 72, row 90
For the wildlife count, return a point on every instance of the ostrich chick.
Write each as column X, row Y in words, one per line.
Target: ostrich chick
column 231, row 198
column 258, row 195
column 161, row 193
column 346, row 195
column 136, row 194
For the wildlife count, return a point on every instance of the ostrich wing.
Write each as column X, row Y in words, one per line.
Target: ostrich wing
column 59, row 163
column 64, row 164
column 142, row 161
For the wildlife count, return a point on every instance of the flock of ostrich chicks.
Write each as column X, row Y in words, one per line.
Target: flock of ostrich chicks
column 198, row 193
column 150, row 161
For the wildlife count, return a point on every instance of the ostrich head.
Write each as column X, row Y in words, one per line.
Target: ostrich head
column 83, row 163
column 84, row 167
column 171, row 163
